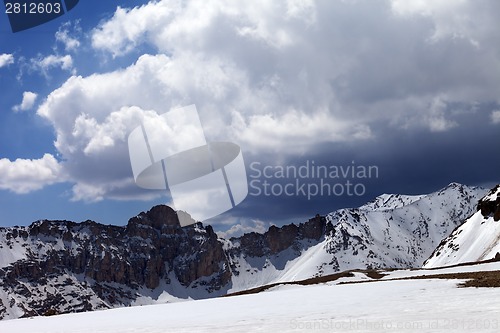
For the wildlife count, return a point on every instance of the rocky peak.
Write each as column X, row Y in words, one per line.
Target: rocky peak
column 157, row 217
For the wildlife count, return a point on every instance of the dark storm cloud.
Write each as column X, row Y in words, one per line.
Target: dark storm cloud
column 411, row 161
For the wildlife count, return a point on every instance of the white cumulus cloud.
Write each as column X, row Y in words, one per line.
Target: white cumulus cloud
column 6, row 59
column 26, row 175
column 29, row 99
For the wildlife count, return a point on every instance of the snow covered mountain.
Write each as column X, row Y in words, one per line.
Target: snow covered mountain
column 476, row 240
column 392, row 231
column 60, row 266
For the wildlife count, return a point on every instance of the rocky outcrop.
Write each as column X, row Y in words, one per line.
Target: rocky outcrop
column 490, row 205
column 278, row 239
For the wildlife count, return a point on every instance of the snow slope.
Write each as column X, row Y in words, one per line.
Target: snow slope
column 475, row 240
column 428, row 305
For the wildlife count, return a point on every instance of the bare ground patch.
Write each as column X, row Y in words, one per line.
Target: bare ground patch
column 489, row 279
column 371, row 273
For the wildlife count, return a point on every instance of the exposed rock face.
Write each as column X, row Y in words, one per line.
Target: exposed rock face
column 277, row 239
column 110, row 263
column 490, row 205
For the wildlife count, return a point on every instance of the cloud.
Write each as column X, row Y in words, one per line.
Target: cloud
column 278, row 78
column 186, row 23
column 45, row 64
column 436, row 118
column 294, row 132
column 29, row 99
column 26, row 175
column 64, row 36
column 70, row 36
column 495, row 117
column 64, row 62
column 93, row 116
column 237, row 230
column 6, row 59
column 123, row 31
column 363, row 53
column 451, row 19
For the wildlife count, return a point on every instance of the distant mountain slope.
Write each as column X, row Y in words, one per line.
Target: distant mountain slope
column 61, row 266
column 403, row 234
column 477, row 239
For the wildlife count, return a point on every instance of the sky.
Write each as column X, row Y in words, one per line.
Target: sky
column 387, row 96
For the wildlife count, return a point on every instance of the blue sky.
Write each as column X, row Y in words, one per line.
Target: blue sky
column 408, row 86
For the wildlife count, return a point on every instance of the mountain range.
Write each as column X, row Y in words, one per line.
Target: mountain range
column 54, row 267
column 477, row 239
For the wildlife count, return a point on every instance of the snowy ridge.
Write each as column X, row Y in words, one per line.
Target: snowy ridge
column 476, row 240
column 372, row 236
column 390, row 201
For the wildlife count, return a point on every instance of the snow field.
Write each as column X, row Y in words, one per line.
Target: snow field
column 384, row 306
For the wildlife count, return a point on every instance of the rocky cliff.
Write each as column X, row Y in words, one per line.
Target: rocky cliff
column 64, row 266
